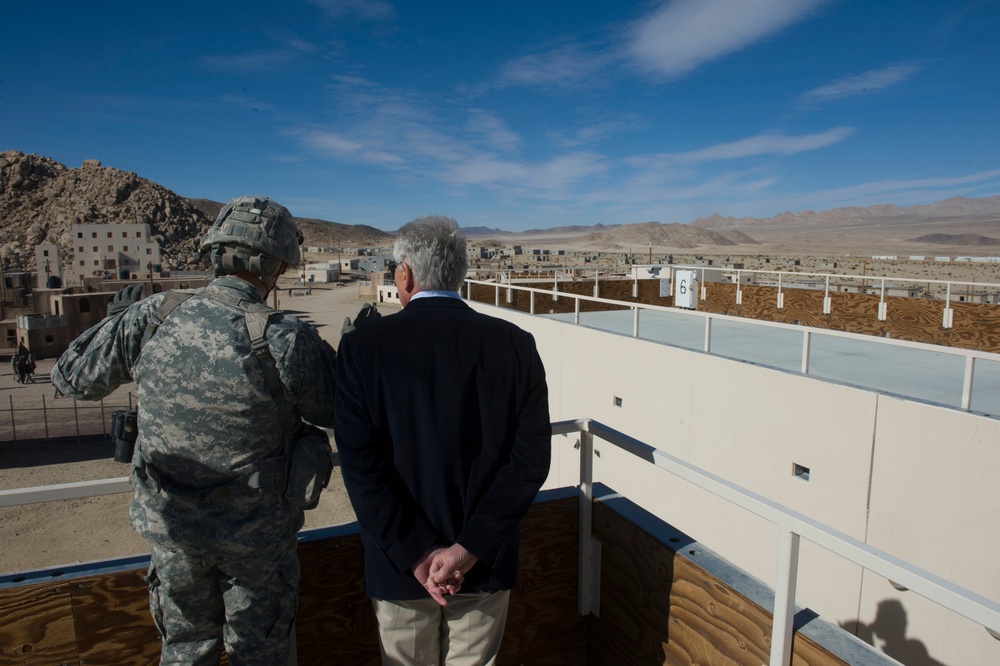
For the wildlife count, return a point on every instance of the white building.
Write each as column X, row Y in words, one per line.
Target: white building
column 323, row 272
column 114, row 248
column 47, row 263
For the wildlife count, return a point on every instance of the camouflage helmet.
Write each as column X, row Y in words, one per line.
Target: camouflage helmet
column 253, row 234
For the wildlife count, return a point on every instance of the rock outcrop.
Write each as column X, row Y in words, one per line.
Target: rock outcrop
column 40, row 198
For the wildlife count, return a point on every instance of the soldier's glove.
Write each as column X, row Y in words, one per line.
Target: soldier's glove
column 125, row 297
column 367, row 313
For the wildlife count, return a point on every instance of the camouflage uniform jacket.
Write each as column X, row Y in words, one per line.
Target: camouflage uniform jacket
column 206, row 415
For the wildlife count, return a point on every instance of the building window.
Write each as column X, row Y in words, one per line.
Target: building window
column 97, row 262
column 138, row 234
column 84, row 305
column 93, row 234
column 83, row 263
column 124, row 234
column 45, row 253
column 95, row 248
column 149, row 251
column 111, row 248
column 81, row 249
column 109, row 234
column 79, row 234
column 125, row 248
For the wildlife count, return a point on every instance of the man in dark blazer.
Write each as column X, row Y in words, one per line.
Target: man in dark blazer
column 442, row 424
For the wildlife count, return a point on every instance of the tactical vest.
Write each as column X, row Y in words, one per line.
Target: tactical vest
column 301, row 472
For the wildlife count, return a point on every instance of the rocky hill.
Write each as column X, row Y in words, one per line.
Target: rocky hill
column 40, row 198
column 957, row 208
column 672, row 235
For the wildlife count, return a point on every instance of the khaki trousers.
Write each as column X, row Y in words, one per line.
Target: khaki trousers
column 466, row 632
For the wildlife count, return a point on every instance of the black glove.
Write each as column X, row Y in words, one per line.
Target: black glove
column 125, row 297
column 367, row 313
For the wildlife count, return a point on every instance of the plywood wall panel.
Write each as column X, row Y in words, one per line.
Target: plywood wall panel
column 659, row 606
column 37, row 626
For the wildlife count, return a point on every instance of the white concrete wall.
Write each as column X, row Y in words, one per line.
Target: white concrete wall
column 917, row 481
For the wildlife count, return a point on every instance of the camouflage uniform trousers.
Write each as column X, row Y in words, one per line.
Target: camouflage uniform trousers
column 247, row 603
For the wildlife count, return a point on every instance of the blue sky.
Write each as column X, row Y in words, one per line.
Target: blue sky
column 517, row 114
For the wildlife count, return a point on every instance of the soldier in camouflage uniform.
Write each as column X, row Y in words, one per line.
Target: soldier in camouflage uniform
column 223, row 569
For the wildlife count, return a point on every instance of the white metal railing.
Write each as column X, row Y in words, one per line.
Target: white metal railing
column 867, row 282
column 792, row 526
column 947, row 290
column 967, row 358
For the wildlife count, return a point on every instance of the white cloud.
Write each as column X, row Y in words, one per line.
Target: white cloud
column 683, row 34
column 869, row 82
column 493, row 130
column 369, row 10
column 922, row 189
column 674, row 39
column 598, row 131
column 767, row 143
column 256, row 61
column 259, row 61
column 338, row 146
column 568, row 65
column 552, row 178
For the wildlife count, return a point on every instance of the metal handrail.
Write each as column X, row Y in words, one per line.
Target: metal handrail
column 970, row 356
column 792, row 526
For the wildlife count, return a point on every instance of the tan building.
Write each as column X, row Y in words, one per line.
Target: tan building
column 123, row 250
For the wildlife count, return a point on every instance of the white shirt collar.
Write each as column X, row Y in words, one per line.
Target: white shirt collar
column 435, row 292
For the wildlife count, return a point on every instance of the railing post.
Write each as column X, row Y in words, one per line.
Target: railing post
column 496, row 300
column 970, row 364
column 783, row 618
column 576, row 310
column 708, row 335
column 532, row 293
column 13, row 428
column 806, row 341
column 635, row 322
column 45, row 418
column 882, row 307
column 586, row 516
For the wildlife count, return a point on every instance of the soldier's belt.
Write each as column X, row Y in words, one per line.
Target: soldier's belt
column 268, row 479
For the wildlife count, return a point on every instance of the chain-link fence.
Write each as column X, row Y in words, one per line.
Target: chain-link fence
column 47, row 418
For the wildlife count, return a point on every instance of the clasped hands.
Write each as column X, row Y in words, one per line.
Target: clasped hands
column 442, row 571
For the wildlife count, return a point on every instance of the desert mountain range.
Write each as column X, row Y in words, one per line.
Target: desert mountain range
column 40, row 198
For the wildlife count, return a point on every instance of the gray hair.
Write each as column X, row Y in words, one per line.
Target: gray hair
column 434, row 249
